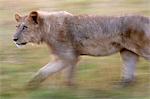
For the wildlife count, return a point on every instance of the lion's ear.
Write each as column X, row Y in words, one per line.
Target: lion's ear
column 17, row 17
column 34, row 16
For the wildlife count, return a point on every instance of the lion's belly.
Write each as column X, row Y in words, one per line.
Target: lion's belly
column 99, row 49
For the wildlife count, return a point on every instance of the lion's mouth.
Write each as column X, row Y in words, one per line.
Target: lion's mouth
column 22, row 43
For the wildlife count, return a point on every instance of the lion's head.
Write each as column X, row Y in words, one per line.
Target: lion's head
column 27, row 29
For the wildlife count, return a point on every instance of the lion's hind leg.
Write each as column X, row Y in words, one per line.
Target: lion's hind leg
column 130, row 60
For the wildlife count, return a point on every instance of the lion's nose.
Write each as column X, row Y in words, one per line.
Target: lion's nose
column 15, row 39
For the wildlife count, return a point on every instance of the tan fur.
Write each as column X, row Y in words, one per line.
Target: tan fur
column 70, row 36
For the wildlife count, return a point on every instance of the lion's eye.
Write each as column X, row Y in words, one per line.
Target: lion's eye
column 24, row 27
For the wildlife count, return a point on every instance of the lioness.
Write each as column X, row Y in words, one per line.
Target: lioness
column 70, row 36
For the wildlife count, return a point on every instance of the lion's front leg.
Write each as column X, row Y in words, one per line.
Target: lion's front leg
column 130, row 60
column 46, row 71
column 70, row 75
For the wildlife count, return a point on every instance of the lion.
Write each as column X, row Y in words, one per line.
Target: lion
column 71, row 36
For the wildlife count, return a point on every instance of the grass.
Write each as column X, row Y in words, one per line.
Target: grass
column 95, row 76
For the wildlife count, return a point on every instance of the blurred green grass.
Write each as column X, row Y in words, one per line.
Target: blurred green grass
column 95, row 76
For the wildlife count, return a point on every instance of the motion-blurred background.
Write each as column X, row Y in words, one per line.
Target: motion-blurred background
column 95, row 77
